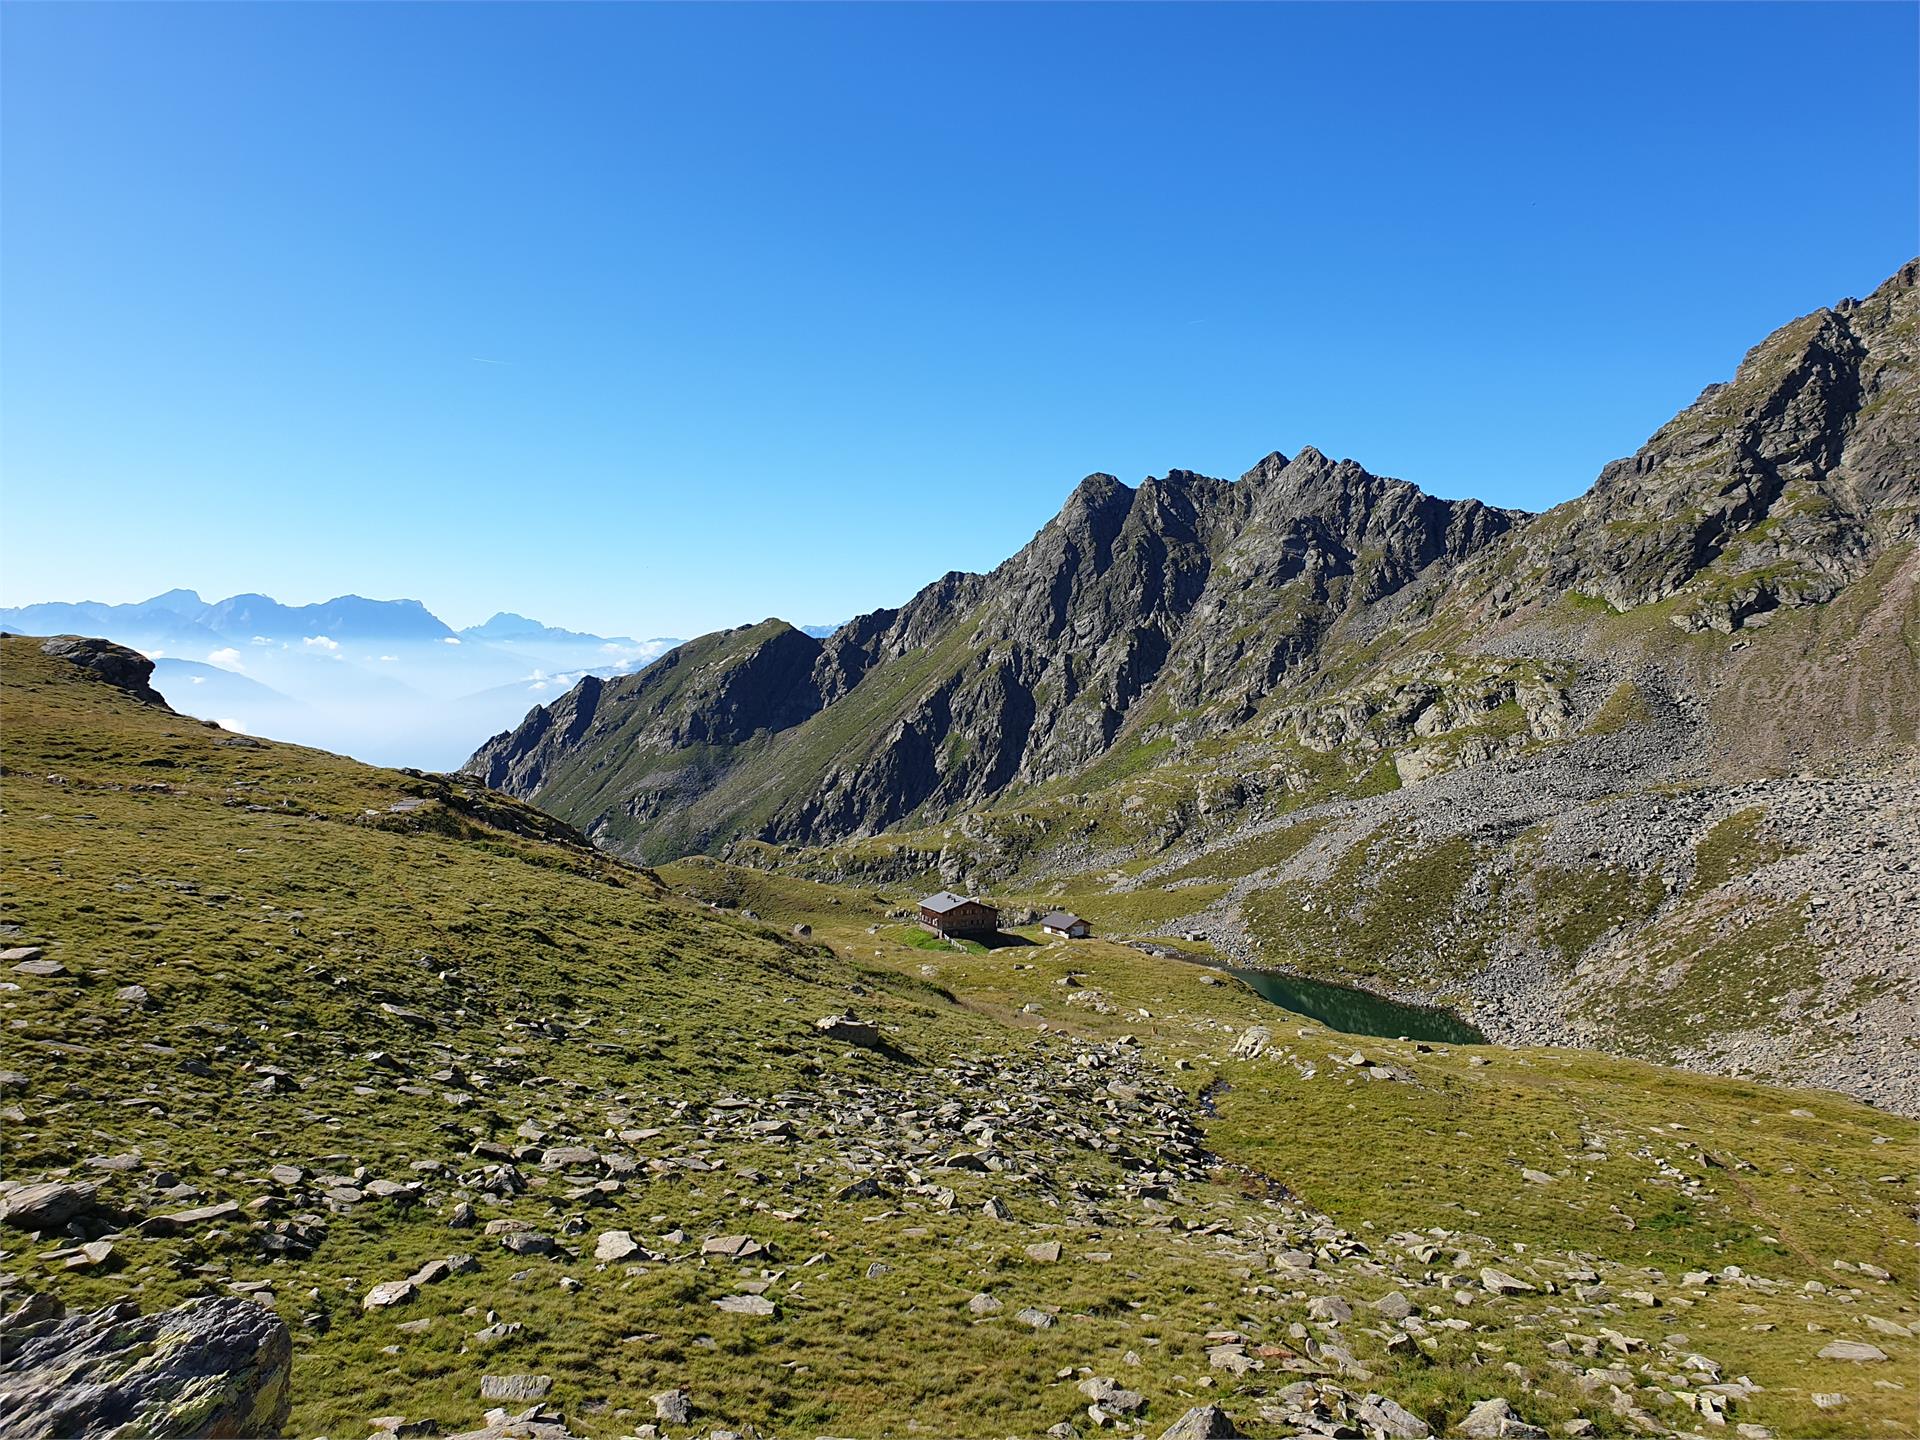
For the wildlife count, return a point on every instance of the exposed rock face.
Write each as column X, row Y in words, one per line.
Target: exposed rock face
column 1197, row 598
column 1529, row 726
column 118, row 666
column 633, row 751
column 1200, row 598
column 1776, row 489
column 1196, row 589
column 216, row 1367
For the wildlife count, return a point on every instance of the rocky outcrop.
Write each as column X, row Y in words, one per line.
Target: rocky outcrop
column 214, row 1367
column 116, row 665
column 1774, row 490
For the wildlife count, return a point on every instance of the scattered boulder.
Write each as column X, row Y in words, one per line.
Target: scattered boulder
column 1494, row 1420
column 49, row 1205
column 92, row 1255
column 1252, row 1042
column 614, row 1246
column 515, row 1387
column 1107, row 1393
column 1394, row 1306
column 673, row 1406
column 1498, row 1282
column 1855, row 1350
column 187, row 1219
column 847, row 1030
column 1202, row 1422
column 537, row 1422
column 214, row 1366
column 1388, row 1416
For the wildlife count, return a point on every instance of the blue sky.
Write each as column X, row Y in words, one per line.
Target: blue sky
column 650, row 319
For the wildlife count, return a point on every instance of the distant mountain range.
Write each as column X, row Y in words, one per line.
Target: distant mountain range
column 383, row 680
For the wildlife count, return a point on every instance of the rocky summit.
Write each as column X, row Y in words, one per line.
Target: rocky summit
column 1636, row 774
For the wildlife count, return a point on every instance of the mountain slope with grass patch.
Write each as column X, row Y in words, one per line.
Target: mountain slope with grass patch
column 1457, row 754
column 489, row 1117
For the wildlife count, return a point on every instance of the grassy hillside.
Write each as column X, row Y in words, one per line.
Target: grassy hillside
column 395, row 1020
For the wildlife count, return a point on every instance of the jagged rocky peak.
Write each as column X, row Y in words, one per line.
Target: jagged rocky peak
column 1323, row 520
column 1176, row 608
column 1774, row 489
column 981, row 682
column 1099, row 494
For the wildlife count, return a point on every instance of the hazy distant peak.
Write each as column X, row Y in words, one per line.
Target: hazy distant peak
column 506, row 625
column 180, row 602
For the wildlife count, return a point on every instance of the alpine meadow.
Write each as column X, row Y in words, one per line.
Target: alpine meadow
column 1278, row 956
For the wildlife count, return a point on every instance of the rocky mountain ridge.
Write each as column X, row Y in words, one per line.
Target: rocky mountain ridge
column 1195, row 589
column 1471, row 710
column 1196, row 600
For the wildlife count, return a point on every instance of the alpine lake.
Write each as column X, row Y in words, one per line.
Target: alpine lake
column 1358, row 1012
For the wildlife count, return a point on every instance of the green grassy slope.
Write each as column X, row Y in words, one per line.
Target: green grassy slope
column 271, row 904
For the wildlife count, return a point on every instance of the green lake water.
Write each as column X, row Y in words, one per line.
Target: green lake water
column 1359, row 1012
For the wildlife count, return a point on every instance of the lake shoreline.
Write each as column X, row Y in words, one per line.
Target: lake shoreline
column 1344, row 1009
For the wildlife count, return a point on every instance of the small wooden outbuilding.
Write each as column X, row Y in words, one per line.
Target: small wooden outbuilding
column 948, row 914
column 1065, row 922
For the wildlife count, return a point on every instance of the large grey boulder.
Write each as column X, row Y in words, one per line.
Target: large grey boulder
column 48, row 1205
column 848, row 1030
column 538, row 1422
column 1202, row 1422
column 1252, row 1043
column 216, row 1367
column 1494, row 1420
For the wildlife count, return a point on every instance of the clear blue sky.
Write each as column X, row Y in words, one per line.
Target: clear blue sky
column 651, row 319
